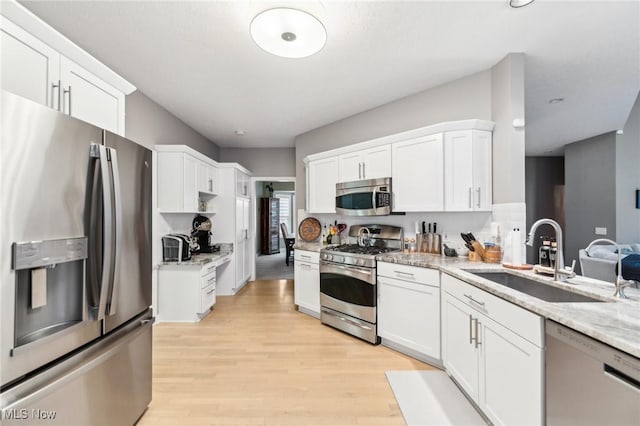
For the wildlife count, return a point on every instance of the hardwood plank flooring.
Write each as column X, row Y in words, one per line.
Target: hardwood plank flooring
column 255, row 360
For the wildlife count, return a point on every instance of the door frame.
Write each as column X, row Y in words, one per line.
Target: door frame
column 254, row 213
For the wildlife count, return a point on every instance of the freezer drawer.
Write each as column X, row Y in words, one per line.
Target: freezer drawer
column 109, row 383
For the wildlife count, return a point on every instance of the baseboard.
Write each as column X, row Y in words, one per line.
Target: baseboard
column 413, row 353
column 309, row 312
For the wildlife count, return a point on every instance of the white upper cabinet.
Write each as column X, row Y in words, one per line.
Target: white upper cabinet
column 242, row 184
column 207, row 177
column 322, row 176
column 28, row 67
column 88, row 98
column 31, row 68
column 178, row 186
column 467, row 170
column 370, row 163
column 417, row 174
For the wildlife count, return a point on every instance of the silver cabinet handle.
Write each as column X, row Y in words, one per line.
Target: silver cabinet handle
column 470, row 329
column 305, row 256
column 54, row 87
column 359, row 170
column 477, row 335
column 65, row 91
column 474, row 300
column 211, row 291
column 478, row 191
column 210, row 185
column 408, row 274
column 470, row 203
column 364, row 170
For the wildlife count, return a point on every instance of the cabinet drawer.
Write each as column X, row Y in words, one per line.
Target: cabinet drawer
column 522, row 322
column 209, row 268
column 208, row 298
column 208, row 280
column 307, row 256
column 409, row 273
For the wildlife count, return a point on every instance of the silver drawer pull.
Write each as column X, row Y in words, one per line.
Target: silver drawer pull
column 474, row 300
column 211, row 291
column 408, row 274
column 305, row 257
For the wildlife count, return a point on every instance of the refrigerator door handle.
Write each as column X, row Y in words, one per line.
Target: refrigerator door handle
column 100, row 152
column 117, row 201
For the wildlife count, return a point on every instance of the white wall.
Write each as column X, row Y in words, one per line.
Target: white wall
column 149, row 124
column 628, row 178
column 465, row 98
column 507, row 103
column 272, row 162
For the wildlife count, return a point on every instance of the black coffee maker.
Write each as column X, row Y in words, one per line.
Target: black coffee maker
column 202, row 233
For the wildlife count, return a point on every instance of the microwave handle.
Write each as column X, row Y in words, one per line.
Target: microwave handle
column 374, row 199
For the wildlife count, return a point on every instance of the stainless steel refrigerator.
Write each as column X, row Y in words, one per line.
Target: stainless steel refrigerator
column 75, row 270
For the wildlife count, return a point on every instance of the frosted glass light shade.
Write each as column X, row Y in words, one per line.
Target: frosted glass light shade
column 289, row 33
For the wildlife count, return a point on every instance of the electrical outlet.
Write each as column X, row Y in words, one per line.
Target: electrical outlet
column 601, row 231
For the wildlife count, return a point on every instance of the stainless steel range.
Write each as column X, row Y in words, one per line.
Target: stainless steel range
column 348, row 285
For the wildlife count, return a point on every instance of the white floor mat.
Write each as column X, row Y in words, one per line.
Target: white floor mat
column 430, row 398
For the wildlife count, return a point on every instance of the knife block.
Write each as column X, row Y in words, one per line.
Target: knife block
column 428, row 243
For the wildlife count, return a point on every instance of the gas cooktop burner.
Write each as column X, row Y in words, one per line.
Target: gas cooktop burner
column 356, row 249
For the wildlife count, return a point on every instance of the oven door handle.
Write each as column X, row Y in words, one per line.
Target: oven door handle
column 365, row 271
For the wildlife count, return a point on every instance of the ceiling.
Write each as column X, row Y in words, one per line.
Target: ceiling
column 197, row 60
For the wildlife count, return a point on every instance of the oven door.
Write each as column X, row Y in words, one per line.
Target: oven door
column 349, row 289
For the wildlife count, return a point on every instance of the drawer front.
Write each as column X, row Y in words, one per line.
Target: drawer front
column 307, row 256
column 409, row 273
column 208, row 298
column 522, row 322
column 208, row 280
column 209, row 268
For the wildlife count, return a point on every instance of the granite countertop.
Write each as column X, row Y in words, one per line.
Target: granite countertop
column 312, row 246
column 616, row 323
column 201, row 260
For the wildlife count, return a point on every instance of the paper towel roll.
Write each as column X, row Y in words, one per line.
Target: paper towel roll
column 516, row 247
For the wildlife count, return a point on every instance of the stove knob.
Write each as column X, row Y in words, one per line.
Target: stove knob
column 329, row 257
column 361, row 262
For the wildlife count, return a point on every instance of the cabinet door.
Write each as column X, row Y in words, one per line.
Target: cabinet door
column 511, row 370
column 458, row 171
column 322, row 177
column 240, row 249
column 28, row 67
column 212, row 183
column 306, row 287
column 459, row 354
column 409, row 314
column 90, row 99
column 417, row 174
column 350, row 166
column 482, row 168
column 202, row 176
column 242, row 184
column 190, row 191
column 376, row 162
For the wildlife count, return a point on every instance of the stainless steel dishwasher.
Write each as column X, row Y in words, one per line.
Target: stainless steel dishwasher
column 588, row 382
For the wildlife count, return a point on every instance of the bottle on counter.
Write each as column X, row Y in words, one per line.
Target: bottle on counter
column 543, row 251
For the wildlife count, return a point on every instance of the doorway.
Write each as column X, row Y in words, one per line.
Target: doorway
column 274, row 205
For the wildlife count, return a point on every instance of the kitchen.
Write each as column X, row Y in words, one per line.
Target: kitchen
column 484, row 97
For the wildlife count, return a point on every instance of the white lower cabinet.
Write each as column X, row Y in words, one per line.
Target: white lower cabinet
column 494, row 350
column 409, row 309
column 186, row 293
column 306, row 287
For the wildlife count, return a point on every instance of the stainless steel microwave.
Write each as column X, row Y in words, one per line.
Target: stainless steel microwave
column 371, row 197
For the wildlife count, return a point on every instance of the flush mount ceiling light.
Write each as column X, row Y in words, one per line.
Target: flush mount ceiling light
column 519, row 3
column 289, row 33
column 239, row 132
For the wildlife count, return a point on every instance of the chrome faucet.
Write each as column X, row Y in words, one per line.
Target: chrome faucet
column 362, row 241
column 560, row 273
column 620, row 283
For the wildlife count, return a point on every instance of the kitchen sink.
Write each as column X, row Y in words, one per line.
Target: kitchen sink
column 533, row 288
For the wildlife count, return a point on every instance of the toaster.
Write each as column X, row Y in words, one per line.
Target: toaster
column 175, row 248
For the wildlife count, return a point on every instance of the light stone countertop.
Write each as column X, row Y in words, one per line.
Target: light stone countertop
column 312, row 246
column 616, row 323
column 199, row 260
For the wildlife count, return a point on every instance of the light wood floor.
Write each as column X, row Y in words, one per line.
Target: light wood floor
column 256, row 360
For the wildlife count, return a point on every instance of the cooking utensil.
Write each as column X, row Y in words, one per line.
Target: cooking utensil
column 424, row 229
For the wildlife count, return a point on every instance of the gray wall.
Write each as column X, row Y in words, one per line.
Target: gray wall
column 267, row 162
column 544, row 187
column 628, row 178
column 149, row 124
column 507, row 103
column 590, row 192
column 465, row 98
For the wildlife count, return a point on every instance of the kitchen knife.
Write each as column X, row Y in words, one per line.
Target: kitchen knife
column 429, row 227
column 465, row 237
column 424, row 227
column 472, row 237
column 434, row 228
